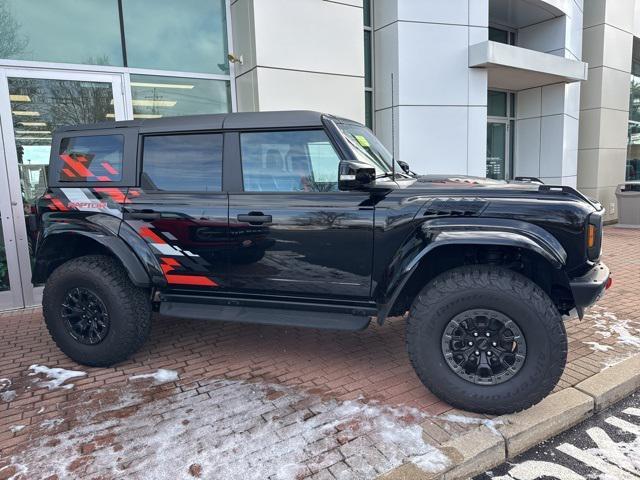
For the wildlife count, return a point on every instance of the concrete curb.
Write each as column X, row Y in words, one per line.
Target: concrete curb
column 484, row 448
column 613, row 384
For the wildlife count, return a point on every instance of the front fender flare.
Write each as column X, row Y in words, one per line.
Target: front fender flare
column 467, row 231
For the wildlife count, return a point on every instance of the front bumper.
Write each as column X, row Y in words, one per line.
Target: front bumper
column 588, row 288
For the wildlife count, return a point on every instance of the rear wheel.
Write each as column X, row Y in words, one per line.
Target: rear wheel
column 486, row 339
column 94, row 313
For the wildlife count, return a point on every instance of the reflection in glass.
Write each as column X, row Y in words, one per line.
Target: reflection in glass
column 367, row 59
column 303, row 161
column 187, row 36
column 155, row 97
column 198, row 156
column 38, row 107
column 633, row 147
column 368, row 108
column 497, row 104
column 496, row 151
column 67, row 31
column 4, row 268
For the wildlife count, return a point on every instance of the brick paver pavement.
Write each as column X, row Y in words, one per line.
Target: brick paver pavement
column 258, row 401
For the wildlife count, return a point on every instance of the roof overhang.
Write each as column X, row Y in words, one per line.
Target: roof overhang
column 515, row 68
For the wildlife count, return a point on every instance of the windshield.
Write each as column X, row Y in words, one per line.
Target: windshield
column 368, row 148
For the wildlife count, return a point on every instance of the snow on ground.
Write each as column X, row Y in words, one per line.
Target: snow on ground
column 8, row 396
column 487, row 422
column 607, row 325
column 16, row 428
column 57, row 375
column 597, row 347
column 234, row 429
column 160, row 376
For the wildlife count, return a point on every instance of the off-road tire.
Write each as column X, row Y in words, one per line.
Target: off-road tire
column 509, row 293
column 129, row 309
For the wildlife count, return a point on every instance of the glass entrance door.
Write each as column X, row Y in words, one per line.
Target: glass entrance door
column 33, row 104
column 497, row 150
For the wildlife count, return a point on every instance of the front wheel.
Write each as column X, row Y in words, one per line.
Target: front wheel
column 486, row 339
column 94, row 313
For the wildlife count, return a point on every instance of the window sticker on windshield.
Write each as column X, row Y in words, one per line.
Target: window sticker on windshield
column 362, row 141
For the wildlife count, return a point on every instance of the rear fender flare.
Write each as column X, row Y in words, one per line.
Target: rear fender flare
column 103, row 230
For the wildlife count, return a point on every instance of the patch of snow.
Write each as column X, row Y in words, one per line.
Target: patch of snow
column 50, row 423
column 487, row 422
column 57, row 375
column 4, row 383
column 8, row 396
column 160, row 376
column 17, row 428
column 240, row 430
column 596, row 347
column 40, row 410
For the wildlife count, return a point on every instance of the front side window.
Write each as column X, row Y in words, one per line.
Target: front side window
column 91, row 159
column 293, row 161
column 182, row 163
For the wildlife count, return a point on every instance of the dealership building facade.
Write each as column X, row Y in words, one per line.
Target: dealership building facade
column 498, row 88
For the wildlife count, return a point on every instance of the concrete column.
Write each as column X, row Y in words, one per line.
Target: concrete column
column 300, row 55
column 608, row 46
column 439, row 104
column 547, row 118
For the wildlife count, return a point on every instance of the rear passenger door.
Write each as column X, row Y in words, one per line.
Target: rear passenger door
column 293, row 231
column 180, row 209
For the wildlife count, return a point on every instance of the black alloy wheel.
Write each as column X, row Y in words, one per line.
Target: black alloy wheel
column 484, row 347
column 85, row 316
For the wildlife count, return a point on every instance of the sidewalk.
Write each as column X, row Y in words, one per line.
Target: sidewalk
column 252, row 401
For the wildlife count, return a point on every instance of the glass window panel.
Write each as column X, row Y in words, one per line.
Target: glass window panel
column 498, row 35
column 367, row 12
column 4, row 268
column 38, row 107
column 368, row 108
column 633, row 147
column 197, row 156
column 296, row 161
column 155, row 97
column 188, row 36
column 497, row 104
column 367, row 59
column 496, row 150
column 67, row 31
column 96, row 158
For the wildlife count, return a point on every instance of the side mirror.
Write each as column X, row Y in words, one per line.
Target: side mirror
column 405, row 167
column 354, row 175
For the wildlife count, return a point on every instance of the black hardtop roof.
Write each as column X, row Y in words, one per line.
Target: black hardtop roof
column 230, row 121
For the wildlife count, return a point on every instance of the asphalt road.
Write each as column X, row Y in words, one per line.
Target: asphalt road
column 606, row 447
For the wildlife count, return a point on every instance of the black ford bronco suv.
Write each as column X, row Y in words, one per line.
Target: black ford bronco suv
column 304, row 219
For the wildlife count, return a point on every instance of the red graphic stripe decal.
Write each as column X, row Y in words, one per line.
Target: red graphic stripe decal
column 109, row 168
column 61, row 206
column 168, row 265
column 77, row 167
column 115, row 194
column 149, row 235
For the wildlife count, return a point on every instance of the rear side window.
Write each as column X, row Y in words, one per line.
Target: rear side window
column 91, row 158
column 293, row 161
column 182, row 163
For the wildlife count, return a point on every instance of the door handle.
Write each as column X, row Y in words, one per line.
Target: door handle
column 142, row 215
column 255, row 218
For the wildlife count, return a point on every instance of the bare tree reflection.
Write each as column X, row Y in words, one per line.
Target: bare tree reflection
column 12, row 43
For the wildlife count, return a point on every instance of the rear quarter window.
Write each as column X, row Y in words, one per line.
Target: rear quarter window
column 96, row 158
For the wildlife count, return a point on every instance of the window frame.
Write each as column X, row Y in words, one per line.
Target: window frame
column 172, row 133
column 130, row 138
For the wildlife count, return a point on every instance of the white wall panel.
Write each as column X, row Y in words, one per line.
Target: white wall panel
column 529, row 103
column 436, row 11
column 290, row 90
column 434, row 139
column 443, row 78
column 527, row 161
column 477, row 141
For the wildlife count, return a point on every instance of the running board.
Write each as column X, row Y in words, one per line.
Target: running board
column 265, row 316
